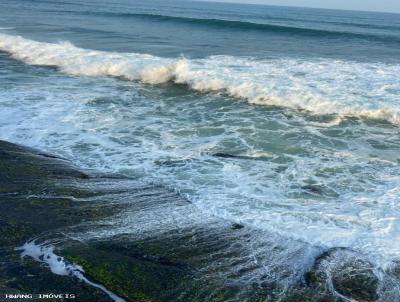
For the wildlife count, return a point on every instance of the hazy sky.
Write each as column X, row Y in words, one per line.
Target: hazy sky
column 374, row 5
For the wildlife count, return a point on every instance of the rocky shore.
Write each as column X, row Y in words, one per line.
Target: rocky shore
column 107, row 237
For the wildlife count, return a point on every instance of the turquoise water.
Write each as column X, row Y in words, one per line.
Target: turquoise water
column 285, row 119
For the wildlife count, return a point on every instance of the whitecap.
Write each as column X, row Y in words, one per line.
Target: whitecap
column 320, row 86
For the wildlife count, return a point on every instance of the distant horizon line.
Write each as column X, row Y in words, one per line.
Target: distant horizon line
column 298, row 6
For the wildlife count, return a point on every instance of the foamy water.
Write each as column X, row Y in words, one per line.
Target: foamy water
column 44, row 253
column 320, row 86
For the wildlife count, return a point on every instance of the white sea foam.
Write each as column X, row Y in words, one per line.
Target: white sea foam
column 44, row 252
column 322, row 86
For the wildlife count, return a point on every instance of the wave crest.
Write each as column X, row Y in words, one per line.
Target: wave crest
column 320, row 86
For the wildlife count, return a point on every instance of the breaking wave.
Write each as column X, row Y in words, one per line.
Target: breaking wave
column 320, row 86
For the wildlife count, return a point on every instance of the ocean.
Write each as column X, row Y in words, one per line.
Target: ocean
column 286, row 120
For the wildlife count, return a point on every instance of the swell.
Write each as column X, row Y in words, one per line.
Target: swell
column 293, row 84
column 252, row 26
column 246, row 25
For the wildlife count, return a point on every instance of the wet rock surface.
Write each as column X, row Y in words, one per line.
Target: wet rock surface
column 40, row 194
column 146, row 243
column 346, row 274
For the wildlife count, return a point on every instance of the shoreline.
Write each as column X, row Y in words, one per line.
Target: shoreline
column 145, row 243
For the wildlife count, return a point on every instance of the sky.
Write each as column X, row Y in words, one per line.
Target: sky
column 391, row 6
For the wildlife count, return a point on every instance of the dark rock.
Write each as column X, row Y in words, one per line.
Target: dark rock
column 394, row 269
column 343, row 272
column 172, row 162
column 237, row 226
column 235, row 156
column 319, row 190
column 312, row 189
